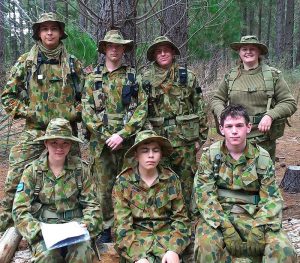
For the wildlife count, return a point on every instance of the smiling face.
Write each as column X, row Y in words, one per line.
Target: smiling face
column 50, row 34
column 249, row 55
column 58, row 149
column 164, row 55
column 235, row 131
column 148, row 155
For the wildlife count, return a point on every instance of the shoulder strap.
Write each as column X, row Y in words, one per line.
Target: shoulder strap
column 79, row 174
column 75, row 79
column 39, row 178
column 183, row 75
column 98, row 80
column 131, row 74
column 215, row 157
column 269, row 83
column 232, row 76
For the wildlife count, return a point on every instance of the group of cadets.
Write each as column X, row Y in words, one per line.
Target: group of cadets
column 146, row 128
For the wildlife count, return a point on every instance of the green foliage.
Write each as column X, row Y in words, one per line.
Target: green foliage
column 219, row 23
column 81, row 45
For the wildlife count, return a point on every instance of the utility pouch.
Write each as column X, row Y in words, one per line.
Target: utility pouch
column 188, row 127
column 35, row 208
column 158, row 125
column 99, row 98
column 126, row 95
column 277, row 129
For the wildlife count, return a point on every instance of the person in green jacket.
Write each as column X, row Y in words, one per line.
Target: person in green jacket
column 151, row 221
column 57, row 188
column 238, row 199
column 261, row 89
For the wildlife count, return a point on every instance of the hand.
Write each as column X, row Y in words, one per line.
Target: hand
column 265, row 124
column 115, row 141
column 142, row 260
column 197, row 146
column 170, row 257
column 232, row 240
column 256, row 241
column 83, row 225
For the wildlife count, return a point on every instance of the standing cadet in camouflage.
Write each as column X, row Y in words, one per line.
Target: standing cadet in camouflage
column 151, row 222
column 43, row 84
column 176, row 109
column 114, row 109
column 57, row 188
column 261, row 89
column 238, row 199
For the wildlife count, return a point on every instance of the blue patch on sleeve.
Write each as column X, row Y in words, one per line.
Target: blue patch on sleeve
column 20, row 187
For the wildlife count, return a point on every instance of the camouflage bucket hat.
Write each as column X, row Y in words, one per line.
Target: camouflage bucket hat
column 46, row 17
column 250, row 40
column 115, row 36
column 159, row 41
column 59, row 128
column 148, row 136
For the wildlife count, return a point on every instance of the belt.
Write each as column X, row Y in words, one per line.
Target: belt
column 67, row 215
column 255, row 119
column 244, row 196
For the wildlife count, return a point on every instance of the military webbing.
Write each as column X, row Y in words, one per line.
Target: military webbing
column 268, row 80
column 239, row 195
column 67, row 215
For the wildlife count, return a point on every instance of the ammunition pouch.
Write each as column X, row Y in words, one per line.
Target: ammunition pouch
column 188, row 127
column 277, row 129
column 99, row 98
column 115, row 119
column 158, row 125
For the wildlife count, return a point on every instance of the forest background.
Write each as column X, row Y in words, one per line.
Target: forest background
column 201, row 29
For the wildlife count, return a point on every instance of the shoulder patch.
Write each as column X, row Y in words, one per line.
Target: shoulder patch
column 20, row 187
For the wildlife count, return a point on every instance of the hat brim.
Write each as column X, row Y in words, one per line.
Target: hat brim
column 35, row 29
column 128, row 44
column 237, row 45
column 166, row 146
column 49, row 137
column 151, row 49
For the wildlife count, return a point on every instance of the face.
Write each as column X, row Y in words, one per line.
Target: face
column 235, row 131
column 50, row 34
column 164, row 56
column 148, row 155
column 58, row 148
column 114, row 52
column 249, row 54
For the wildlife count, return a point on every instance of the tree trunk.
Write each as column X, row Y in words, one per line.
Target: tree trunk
column 289, row 34
column 2, row 47
column 250, row 19
column 13, row 34
column 260, row 5
column 174, row 24
column 298, row 40
column 9, row 244
column 120, row 14
column 291, row 180
column 269, row 24
column 279, row 26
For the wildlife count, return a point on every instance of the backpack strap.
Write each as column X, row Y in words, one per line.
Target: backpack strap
column 215, row 157
column 39, row 179
column 75, row 78
column 98, row 80
column 232, row 76
column 269, row 83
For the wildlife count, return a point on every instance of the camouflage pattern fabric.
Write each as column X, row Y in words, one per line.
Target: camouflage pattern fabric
column 149, row 221
column 46, row 100
column 106, row 163
column 172, row 99
column 252, row 173
column 58, row 195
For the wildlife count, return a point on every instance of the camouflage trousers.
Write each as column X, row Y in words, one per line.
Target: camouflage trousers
column 21, row 154
column 210, row 246
column 104, row 169
column 183, row 163
column 79, row 253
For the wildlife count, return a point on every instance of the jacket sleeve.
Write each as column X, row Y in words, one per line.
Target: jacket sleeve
column 14, row 92
column 283, row 100
column 271, row 202
column 200, row 107
column 180, row 236
column 27, row 225
column 220, row 99
column 206, row 195
column 126, row 242
column 136, row 122
column 92, row 215
column 93, row 122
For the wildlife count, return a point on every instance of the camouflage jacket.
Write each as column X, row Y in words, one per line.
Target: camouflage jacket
column 45, row 99
column 253, row 173
column 57, row 194
column 149, row 217
column 111, row 90
column 178, row 102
